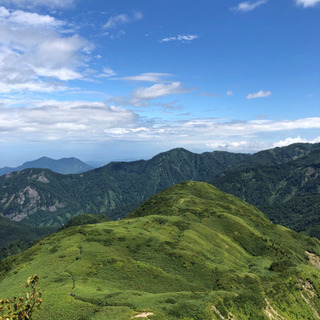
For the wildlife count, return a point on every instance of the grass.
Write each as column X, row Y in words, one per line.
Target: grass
column 191, row 252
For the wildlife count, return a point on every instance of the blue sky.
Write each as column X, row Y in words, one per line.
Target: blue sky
column 124, row 80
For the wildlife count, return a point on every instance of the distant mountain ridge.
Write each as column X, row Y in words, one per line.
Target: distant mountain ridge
column 64, row 166
column 44, row 198
column 269, row 179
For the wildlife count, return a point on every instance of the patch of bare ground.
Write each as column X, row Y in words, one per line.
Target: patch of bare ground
column 314, row 259
column 143, row 315
column 271, row 313
column 218, row 313
column 307, row 294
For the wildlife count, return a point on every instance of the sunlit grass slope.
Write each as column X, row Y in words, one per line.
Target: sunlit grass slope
column 190, row 252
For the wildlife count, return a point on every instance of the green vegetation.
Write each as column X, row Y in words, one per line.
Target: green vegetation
column 282, row 182
column 85, row 219
column 40, row 197
column 16, row 237
column 22, row 308
column 190, row 252
column 289, row 194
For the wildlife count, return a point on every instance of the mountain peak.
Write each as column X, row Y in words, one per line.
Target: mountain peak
column 198, row 199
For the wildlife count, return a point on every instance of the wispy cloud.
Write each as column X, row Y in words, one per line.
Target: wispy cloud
column 144, row 96
column 158, row 90
column 183, row 38
column 260, row 94
column 249, row 5
column 229, row 93
column 121, row 19
column 307, row 3
column 148, row 77
column 107, row 73
column 39, row 3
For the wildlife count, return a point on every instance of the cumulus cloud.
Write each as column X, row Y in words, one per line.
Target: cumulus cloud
column 298, row 139
column 183, row 38
column 307, row 3
column 35, row 53
column 33, row 19
column 260, row 94
column 121, row 19
column 249, row 5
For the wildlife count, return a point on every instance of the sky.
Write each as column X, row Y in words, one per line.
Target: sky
column 125, row 80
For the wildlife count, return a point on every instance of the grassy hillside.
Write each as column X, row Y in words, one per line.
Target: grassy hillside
column 288, row 193
column 190, row 252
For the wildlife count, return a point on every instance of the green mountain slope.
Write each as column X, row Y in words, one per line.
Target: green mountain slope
column 278, row 155
column 64, row 166
column 190, row 252
column 16, row 237
column 288, row 193
column 41, row 197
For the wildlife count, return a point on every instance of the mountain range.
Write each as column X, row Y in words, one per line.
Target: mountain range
column 190, row 252
column 63, row 166
column 282, row 182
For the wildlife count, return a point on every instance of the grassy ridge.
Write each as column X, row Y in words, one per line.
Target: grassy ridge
column 190, row 252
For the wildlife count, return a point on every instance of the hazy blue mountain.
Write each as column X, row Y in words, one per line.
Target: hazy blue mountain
column 64, row 166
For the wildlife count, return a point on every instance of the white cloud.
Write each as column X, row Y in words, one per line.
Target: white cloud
column 260, row 94
column 183, row 38
column 96, row 121
column 148, row 77
column 34, row 19
column 249, row 5
column 57, row 120
column 141, row 96
column 229, row 93
column 107, row 73
column 307, row 3
column 39, row 3
column 298, row 139
column 121, row 19
column 34, row 50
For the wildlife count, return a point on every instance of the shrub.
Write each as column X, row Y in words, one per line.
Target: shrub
column 22, row 308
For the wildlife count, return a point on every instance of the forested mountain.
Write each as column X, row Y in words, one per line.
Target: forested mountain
column 288, row 193
column 283, row 182
column 64, row 166
column 16, row 237
column 44, row 198
column 190, row 252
